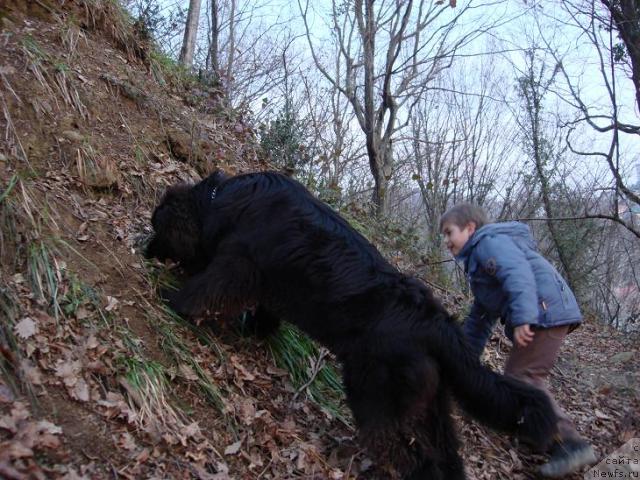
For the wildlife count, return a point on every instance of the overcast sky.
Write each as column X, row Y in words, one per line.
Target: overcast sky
column 518, row 29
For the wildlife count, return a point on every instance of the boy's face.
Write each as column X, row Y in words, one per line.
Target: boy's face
column 455, row 237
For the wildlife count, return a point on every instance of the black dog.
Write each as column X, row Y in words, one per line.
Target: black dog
column 263, row 239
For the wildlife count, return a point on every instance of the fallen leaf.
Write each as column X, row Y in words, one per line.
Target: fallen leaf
column 19, row 412
column 192, row 430
column 46, row 440
column 8, row 471
column 31, row 372
column 18, row 450
column 6, row 395
column 126, row 441
column 91, row 343
column 68, row 371
column 622, row 357
column 170, row 439
column 187, row 372
column 117, row 407
column 112, row 303
column 336, row 474
column 366, row 464
column 82, row 313
column 8, row 423
column 26, row 328
column 18, row 278
column 280, row 372
column 7, row 70
column 233, row 448
column 143, row 456
column 73, row 475
column 81, row 390
column 48, row 427
column 301, row 461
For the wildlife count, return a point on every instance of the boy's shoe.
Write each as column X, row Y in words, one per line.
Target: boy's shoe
column 566, row 457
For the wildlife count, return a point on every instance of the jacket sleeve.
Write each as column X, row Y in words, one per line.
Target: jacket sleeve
column 477, row 328
column 500, row 256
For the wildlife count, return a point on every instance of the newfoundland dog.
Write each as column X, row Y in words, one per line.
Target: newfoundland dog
column 262, row 239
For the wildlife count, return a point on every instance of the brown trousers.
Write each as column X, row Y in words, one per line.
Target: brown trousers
column 533, row 363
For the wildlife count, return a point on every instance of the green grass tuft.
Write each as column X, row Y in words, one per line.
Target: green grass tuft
column 166, row 70
column 10, row 360
column 6, row 191
column 169, row 325
column 176, row 348
column 141, row 373
column 295, row 352
column 44, row 275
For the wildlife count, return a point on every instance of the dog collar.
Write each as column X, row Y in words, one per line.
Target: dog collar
column 213, row 192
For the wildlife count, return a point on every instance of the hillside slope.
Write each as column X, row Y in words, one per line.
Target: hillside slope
column 97, row 378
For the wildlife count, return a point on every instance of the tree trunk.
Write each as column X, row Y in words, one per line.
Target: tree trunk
column 565, row 261
column 214, row 63
column 533, row 91
column 228, row 80
column 190, row 34
column 626, row 16
column 381, row 163
column 378, row 152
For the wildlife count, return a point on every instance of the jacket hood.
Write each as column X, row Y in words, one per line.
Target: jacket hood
column 519, row 232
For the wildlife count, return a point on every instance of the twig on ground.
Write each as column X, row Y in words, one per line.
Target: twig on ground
column 317, row 366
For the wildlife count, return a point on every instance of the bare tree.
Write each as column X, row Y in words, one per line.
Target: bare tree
column 625, row 15
column 190, row 34
column 330, row 133
column 213, row 63
column 534, row 83
column 457, row 150
column 572, row 217
column 597, row 25
column 391, row 51
column 244, row 48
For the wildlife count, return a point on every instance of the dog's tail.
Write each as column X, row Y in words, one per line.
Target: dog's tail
column 499, row 401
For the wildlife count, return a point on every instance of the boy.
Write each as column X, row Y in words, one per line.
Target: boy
column 511, row 280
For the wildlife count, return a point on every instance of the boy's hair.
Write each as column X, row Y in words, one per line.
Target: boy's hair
column 464, row 213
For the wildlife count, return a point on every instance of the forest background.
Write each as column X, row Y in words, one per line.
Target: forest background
column 527, row 108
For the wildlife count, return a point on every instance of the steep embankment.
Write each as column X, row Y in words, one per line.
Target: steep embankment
column 97, row 379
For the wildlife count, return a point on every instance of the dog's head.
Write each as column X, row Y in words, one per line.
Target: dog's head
column 176, row 228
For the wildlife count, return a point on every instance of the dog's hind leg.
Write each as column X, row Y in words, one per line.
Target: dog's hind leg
column 444, row 462
column 228, row 285
column 401, row 417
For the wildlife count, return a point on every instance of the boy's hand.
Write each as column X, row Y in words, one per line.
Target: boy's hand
column 523, row 335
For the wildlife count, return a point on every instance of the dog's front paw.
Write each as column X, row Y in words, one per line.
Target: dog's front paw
column 179, row 308
column 186, row 309
column 166, row 294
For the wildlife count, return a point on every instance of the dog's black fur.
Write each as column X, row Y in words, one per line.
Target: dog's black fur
column 263, row 239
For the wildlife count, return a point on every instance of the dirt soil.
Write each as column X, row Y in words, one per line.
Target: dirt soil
column 97, row 379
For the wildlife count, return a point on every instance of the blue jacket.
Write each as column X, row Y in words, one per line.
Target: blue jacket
column 512, row 281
